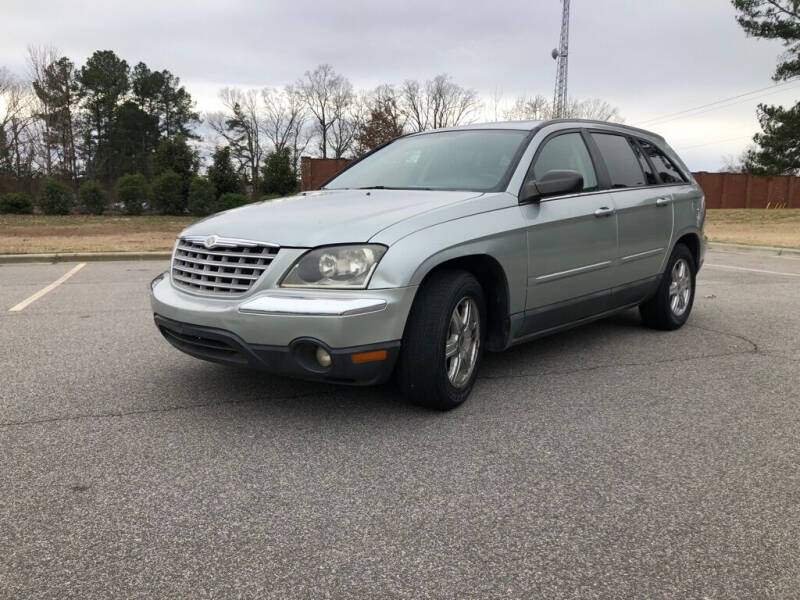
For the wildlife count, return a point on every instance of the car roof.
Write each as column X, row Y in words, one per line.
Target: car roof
column 535, row 125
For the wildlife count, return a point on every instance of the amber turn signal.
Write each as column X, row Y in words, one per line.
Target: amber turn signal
column 362, row 357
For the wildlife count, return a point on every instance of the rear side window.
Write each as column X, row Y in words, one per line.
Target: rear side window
column 649, row 174
column 566, row 152
column 666, row 169
column 623, row 166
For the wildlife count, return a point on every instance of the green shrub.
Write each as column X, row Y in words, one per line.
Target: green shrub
column 92, row 197
column 202, row 196
column 16, row 203
column 133, row 192
column 277, row 175
column 55, row 197
column 229, row 201
column 168, row 193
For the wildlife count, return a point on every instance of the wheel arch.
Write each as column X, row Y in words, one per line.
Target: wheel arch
column 494, row 282
column 691, row 240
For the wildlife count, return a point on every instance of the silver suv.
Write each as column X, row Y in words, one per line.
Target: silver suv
column 436, row 247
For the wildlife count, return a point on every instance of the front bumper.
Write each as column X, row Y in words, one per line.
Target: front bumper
column 273, row 328
column 295, row 360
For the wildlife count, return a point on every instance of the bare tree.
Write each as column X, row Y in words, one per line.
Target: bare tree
column 284, row 116
column 240, row 124
column 39, row 60
column 440, row 102
column 17, row 139
column 533, row 108
column 323, row 90
column 286, row 122
column 539, row 108
column 593, row 108
column 348, row 114
column 414, row 105
column 55, row 105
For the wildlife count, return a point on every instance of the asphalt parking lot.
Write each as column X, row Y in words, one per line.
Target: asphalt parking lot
column 607, row 462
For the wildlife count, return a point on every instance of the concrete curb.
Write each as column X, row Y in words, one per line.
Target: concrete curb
column 743, row 248
column 82, row 257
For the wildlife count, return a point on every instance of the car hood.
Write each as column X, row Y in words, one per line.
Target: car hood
column 324, row 217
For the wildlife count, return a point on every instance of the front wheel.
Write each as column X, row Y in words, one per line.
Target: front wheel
column 670, row 307
column 443, row 341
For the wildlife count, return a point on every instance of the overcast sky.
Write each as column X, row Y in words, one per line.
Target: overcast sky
column 648, row 57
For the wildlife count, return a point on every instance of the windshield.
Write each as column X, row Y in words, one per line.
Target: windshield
column 473, row 160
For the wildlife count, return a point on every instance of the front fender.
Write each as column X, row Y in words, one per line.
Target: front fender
column 499, row 234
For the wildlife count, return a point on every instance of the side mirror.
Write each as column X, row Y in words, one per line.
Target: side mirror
column 550, row 184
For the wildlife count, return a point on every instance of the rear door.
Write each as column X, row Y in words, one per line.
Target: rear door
column 644, row 214
column 572, row 240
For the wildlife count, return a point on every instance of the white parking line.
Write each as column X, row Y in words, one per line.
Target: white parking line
column 751, row 270
column 31, row 299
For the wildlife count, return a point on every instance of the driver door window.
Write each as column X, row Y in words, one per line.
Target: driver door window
column 566, row 152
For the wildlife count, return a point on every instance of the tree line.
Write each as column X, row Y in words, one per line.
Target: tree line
column 776, row 149
column 78, row 136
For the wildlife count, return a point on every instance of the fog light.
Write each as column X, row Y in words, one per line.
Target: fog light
column 323, row 357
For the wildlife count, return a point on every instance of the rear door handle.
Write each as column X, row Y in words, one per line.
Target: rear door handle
column 604, row 211
column 662, row 201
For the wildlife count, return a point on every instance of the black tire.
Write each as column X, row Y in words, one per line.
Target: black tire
column 657, row 312
column 422, row 370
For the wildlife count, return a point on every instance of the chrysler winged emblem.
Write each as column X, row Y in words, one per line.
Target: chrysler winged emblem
column 210, row 241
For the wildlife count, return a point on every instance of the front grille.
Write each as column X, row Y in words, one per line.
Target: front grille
column 227, row 268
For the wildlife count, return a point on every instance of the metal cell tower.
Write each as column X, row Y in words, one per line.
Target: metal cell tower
column 561, row 54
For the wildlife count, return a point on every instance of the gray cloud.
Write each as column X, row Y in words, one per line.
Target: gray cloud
column 649, row 58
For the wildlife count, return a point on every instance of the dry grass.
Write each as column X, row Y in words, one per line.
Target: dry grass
column 23, row 234
column 775, row 227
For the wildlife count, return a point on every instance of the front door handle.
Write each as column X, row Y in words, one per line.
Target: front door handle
column 604, row 211
column 662, row 201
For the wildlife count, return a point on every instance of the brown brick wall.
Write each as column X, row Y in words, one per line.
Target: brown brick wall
column 740, row 190
column 315, row 171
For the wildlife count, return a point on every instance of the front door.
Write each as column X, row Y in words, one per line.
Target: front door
column 572, row 241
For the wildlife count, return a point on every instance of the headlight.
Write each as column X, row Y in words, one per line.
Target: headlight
column 335, row 267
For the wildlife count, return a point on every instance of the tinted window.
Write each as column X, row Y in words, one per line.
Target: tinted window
column 665, row 167
column 623, row 166
column 649, row 175
column 457, row 160
column 566, row 152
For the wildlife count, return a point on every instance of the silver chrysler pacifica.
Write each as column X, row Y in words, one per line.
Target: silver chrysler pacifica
column 439, row 246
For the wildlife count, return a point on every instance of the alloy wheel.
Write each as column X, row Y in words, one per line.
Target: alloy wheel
column 463, row 342
column 680, row 287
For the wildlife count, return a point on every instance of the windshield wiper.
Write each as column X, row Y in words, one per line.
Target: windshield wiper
column 374, row 187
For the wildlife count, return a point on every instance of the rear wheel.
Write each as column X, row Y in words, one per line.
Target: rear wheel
column 443, row 341
column 670, row 307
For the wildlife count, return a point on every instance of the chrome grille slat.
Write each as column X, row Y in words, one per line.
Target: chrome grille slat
column 219, row 263
column 229, row 268
column 204, row 284
column 189, row 269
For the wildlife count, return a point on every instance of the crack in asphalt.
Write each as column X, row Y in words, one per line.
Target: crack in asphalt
column 730, row 334
column 753, row 350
